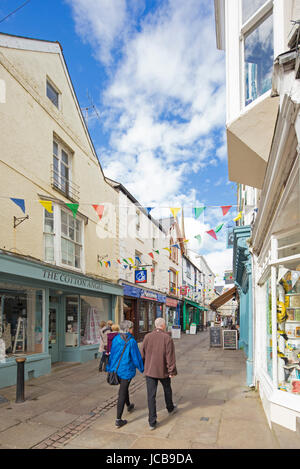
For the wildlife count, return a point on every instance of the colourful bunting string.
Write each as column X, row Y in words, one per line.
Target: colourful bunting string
column 20, row 203
column 198, row 237
column 151, row 255
column 149, row 209
column 238, row 217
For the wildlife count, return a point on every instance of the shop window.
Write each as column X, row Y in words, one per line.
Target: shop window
column 151, row 316
column 71, row 336
column 143, row 307
column 288, row 330
column 92, row 312
column 21, row 319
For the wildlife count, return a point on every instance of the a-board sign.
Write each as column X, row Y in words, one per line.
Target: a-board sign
column 176, row 332
column 230, row 339
column 193, row 328
column 215, row 337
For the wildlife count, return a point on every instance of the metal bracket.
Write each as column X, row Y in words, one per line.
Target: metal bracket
column 18, row 221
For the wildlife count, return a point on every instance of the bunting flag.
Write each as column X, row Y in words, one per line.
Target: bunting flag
column 138, row 259
column 73, row 208
column 219, row 227
column 149, row 209
column 125, row 266
column 198, row 211
column 20, row 203
column 106, row 264
column 175, row 246
column 212, row 233
column 199, row 238
column 295, row 274
column 238, row 217
column 131, row 260
column 157, row 251
column 47, row 204
column 225, row 209
column 118, row 260
column 126, row 261
column 99, row 209
column 168, row 249
column 174, row 211
column 150, row 254
column 100, row 262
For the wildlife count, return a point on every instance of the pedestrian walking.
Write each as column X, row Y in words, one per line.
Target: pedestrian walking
column 115, row 329
column 103, row 344
column 158, row 354
column 124, row 358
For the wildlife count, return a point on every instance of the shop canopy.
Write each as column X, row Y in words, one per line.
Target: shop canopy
column 224, row 298
column 196, row 305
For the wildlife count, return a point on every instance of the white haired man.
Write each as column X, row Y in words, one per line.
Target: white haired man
column 158, row 353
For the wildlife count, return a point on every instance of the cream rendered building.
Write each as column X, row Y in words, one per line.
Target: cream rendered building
column 53, row 291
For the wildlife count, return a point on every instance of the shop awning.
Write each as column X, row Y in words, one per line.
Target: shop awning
column 222, row 299
column 196, row 305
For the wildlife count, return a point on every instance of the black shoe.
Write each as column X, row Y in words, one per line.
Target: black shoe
column 153, row 426
column 120, row 423
column 100, row 369
column 130, row 407
column 174, row 410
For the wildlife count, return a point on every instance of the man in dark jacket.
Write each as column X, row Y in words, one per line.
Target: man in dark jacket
column 158, row 353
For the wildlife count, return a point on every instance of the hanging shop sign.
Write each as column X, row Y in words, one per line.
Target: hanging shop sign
column 140, row 276
column 171, row 302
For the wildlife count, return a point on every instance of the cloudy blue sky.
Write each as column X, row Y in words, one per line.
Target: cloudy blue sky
column 157, row 80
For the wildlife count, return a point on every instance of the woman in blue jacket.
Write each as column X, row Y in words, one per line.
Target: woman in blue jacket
column 130, row 360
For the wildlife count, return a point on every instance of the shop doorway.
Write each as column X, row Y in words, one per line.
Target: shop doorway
column 54, row 346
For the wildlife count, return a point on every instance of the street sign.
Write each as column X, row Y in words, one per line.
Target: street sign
column 230, row 339
column 215, row 337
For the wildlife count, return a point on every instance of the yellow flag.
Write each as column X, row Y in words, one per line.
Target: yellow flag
column 238, row 217
column 174, row 211
column 47, row 204
column 168, row 249
column 131, row 260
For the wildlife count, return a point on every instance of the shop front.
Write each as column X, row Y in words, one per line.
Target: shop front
column 172, row 313
column 142, row 307
column 48, row 315
column 193, row 313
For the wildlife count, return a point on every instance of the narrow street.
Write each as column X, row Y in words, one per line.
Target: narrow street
column 74, row 408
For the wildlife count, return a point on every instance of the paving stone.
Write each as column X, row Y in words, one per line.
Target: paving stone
column 25, row 435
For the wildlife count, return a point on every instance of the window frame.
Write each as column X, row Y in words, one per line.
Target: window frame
column 67, row 190
column 56, row 90
column 246, row 28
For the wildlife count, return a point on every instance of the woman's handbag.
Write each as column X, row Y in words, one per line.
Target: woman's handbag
column 112, row 377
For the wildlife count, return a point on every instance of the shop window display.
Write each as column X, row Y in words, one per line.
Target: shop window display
column 92, row 312
column 72, row 307
column 21, row 320
column 143, row 317
column 288, row 330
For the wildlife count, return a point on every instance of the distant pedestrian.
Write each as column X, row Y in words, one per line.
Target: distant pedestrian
column 103, row 344
column 115, row 328
column 131, row 359
column 158, row 354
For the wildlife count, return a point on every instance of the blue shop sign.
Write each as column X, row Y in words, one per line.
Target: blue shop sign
column 140, row 276
column 136, row 292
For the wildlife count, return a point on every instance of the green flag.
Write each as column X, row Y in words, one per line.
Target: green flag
column 198, row 211
column 219, row 227
column 198, row 237
column 73, row 208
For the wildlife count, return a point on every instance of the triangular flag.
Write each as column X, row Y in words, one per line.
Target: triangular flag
column 168, row 249
column 198, row 237
column 238, row 217
column 108, row 263
column 47, row 204
column 295, row 277
column 157, row 251
column 219, row 227
column 126, row 261
column 225, row 209
column 212, row 233
column 174, row 211
column 20, row 203
column 198, row 211
column 281, row 272
column 100, row 263
column 149, row 209
column 150, row 254
column 138, row 259
column 125, row 266
column 131, row 260
column 99, row 209
column 175, row 246
column 186, row 241
column 73, row 208
column 118, row 260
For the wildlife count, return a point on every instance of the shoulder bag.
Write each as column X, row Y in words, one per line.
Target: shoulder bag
column 112, row 377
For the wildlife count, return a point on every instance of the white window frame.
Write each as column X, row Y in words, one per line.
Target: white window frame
column 246, row 28
column 58, row 236
column 62, row 147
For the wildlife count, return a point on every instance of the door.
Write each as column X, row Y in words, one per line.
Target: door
column 53, row 341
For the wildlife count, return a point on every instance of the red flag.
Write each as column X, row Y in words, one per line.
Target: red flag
column 99, row 209
column 225, row 209
column 150, row 254
column 212, row 233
